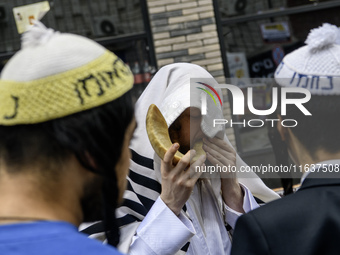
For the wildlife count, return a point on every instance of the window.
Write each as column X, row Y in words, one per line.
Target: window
column 121, row 26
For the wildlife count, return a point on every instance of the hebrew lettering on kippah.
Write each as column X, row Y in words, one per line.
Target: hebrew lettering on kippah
column 16, row 106
column 102, row 80
column 312, row 82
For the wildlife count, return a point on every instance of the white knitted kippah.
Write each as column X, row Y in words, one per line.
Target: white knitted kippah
column 315, row 66
column 55, row 75
column 57, row 53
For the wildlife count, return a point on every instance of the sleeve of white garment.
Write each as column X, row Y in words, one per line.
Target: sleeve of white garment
column 249, row 204
column 161, row 232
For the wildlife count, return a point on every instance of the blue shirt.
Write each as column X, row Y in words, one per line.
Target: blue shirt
column 49, row 238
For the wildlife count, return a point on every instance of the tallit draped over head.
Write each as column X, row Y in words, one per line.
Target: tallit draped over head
column 170, row 91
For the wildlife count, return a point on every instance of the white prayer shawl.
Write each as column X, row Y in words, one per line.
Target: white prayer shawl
column 170, row 91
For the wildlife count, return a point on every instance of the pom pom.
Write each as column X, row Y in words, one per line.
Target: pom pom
column 323, row 37
column 37, row 35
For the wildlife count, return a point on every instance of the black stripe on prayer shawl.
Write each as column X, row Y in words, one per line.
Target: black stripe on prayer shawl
column 185, row 247
column 141, row 205
column 140, row 160
column 259, row 201
column 99, row 227
column 145, row 201
column 145, row 181
column 127, row 219
column 94, row 229
column 135, row 206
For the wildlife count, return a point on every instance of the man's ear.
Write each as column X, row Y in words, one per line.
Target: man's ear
column 281, row 129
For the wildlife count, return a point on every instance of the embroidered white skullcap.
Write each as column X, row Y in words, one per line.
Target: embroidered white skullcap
column 315, row 66
column 58, row 74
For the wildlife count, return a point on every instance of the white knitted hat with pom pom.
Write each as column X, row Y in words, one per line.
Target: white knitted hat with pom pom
column 58, row 74
column 315, row 66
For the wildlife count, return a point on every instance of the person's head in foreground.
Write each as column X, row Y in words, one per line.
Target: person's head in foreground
column 66, row 120
column 316, row 68
column 308, row 221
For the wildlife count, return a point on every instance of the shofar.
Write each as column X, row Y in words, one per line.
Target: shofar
column 158, row 133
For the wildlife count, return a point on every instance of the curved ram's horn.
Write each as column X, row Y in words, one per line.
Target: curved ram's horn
column 158, row 133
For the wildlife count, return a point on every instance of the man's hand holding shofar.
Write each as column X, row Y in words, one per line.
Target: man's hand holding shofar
column 220, row 153
column 178, row 176
column 178, row 181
